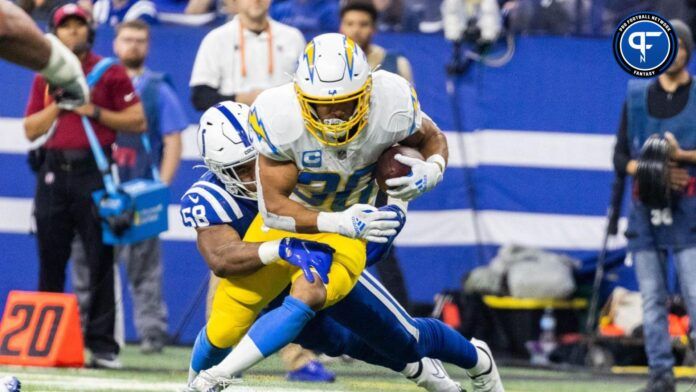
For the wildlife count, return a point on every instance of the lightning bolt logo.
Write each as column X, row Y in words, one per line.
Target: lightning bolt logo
column 256, row 125
column 414, row 100
column 309, row 54
column 350, row 55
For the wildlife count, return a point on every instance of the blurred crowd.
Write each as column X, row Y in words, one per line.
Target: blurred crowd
column 558, row 17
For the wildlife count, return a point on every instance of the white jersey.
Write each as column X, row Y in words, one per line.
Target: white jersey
column 334, row 178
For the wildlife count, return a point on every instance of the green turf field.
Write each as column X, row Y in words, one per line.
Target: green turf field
column 166, row 372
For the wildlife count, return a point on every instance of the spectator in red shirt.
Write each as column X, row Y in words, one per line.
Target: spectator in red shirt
column 68, row 175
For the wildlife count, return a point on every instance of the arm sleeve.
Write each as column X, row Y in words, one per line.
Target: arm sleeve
column 120, row 89
column 204, row 96
column 622, row 152
column 172, row 116
column 36, row 96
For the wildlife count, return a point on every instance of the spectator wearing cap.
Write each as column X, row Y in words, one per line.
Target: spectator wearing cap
column 68, row 175
column 165, row 121
column 667, row 106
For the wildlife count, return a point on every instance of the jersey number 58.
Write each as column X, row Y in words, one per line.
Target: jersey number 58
column 194, row 216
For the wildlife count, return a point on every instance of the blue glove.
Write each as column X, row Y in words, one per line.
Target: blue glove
column 307, row 255
column 376, row 251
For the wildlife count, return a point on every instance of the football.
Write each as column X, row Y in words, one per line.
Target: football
column 388, row 167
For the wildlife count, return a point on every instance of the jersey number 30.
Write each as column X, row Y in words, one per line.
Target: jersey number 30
column 194, row 216
column 361, row 179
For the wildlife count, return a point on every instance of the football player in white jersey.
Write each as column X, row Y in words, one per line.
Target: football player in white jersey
column 319, row 139
column 220, row 206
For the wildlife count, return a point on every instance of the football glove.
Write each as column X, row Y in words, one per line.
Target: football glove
column 360, row 221
column 423, row 177
column 376, row 251
column 308, row 256
column 65, row 76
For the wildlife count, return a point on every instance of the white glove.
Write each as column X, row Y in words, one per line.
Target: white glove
column 360, row 221
column 423, row 177
column 64, row 72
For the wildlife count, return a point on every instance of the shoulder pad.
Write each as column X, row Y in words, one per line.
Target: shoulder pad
column 398, row 110
column 207, row 203
column 275, row 121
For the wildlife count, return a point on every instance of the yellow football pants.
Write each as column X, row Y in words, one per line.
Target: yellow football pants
column 239, row 300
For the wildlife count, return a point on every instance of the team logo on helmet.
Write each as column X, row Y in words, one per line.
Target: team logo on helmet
column 350, row 55
column 309, row 57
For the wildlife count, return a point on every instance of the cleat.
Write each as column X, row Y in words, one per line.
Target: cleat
column 10, row 384
column 206, row 382
column 313, row 371
column 432, row 376
column 489, row 380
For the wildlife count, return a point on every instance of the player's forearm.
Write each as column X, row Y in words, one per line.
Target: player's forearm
column 277, row 180
column 284, row 214
column 171, row 157
column 21, row 42
column 434, row 142
column 40, row 122
column 231, row 258
column 240, row 258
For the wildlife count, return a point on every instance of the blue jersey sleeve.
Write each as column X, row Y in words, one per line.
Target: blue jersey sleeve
column 206, row 204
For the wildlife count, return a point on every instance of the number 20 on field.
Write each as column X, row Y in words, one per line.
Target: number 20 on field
column 41, row 329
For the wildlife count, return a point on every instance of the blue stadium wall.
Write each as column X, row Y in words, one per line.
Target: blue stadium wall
column 556, row 94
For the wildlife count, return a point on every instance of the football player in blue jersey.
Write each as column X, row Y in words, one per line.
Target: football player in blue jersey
column 221, row 206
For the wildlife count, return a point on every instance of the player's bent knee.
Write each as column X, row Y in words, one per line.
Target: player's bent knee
column 312, row 294
column 225, row 338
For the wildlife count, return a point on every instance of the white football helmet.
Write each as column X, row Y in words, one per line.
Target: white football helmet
column 224, row 144
column 333, row 69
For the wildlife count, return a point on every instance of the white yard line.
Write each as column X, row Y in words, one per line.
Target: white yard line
column 60, row 382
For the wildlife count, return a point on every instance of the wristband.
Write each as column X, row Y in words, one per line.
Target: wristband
column 439, row 160
column 268, row 252
column 327, row 222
